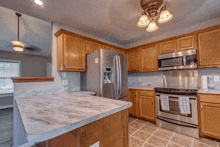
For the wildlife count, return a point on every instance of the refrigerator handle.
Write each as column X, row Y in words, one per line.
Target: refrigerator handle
column 120, row 78
column 117, row 63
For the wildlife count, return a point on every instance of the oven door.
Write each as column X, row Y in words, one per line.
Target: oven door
column 174, row 112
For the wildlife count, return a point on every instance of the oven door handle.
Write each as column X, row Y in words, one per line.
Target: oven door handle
column 177, row 123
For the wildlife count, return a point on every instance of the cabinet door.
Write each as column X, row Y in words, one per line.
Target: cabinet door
column 167, row 47
column 74, row 53
column 133, row 61
column 148, row 58
column 209, row 49
column 133, row 97
column 209, row 119
column 186, row 43
column 118, row 50
column 147, row 108
column 92, row 46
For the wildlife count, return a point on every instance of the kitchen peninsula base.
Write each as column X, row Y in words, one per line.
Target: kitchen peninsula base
column 110, row 131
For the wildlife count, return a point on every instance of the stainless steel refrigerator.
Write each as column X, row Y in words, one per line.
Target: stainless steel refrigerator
column 107, row 74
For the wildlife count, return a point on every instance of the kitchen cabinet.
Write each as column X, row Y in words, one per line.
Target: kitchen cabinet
column 167, row 47
column 148, row 58
column 186, row 43
column 106, row 47
column 118, row 50
column 71, row 53
column 133, row 60
column 209, row 113
column 133, row 96
column 209, row 48
column 92, row 46
column 143, row 104
column 147, row 105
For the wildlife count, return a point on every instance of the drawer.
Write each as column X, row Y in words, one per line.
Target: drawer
column 147, row 93
column 209, row 98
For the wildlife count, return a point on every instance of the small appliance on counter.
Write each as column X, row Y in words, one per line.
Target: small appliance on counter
column 203, row 81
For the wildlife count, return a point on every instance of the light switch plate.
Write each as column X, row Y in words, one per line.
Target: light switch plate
column 64, row 74
column 139, row 79
column 216, row 78
column 65, row 82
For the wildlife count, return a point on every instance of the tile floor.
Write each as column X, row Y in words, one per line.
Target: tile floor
column 146, row 134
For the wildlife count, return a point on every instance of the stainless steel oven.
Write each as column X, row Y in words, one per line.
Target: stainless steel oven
column 173, row 119
column 180, row 60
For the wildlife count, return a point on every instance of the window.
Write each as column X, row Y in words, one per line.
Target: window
column 8, row 69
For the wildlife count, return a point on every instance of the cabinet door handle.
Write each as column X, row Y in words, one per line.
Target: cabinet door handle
column 201, row 108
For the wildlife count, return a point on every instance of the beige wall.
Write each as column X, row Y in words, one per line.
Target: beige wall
column 31, row 66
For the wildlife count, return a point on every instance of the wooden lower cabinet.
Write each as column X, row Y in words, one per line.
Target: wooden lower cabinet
column 147, row 108
column 209, row 113
column 143, row 104
column 133, row 97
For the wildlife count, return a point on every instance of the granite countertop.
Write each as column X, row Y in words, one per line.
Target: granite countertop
column 83, row 93
column 48, row 116
column 209, row 91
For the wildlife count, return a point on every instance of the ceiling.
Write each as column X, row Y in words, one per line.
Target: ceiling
column 115, row 20
column 33, row 32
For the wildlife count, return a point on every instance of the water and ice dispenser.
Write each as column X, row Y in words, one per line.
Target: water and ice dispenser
column 108, row 75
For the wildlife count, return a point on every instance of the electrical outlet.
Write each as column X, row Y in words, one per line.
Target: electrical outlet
column 216, row 78
column 64, row 74
column 139, row 79
column 65, row 82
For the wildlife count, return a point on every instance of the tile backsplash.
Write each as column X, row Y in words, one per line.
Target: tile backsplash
column 155, row 79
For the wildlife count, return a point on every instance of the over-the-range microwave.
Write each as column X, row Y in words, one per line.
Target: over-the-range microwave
column 179, row 60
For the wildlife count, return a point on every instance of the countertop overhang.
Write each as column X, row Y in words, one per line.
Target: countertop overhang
column 48, row 116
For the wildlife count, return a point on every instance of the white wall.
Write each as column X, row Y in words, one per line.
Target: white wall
column 72, row 77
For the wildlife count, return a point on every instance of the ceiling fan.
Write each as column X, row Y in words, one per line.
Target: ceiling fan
column 20, row 46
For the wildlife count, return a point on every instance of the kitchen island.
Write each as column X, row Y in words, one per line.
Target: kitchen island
column 70, row 120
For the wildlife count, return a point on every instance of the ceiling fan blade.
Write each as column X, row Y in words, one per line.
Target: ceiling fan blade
column 33, row 49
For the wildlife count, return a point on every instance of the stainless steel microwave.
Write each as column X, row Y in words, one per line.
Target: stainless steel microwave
column 179, row 60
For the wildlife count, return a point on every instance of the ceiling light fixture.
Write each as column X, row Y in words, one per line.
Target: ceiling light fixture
column 18, row 45
column 150, row 13
column 39, row 2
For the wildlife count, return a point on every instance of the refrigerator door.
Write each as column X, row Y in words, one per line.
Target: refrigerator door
column 122, row 77
column 108, row 72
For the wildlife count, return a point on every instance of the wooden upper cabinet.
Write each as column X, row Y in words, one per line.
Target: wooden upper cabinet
column 133, row 61
column 71, row 53
column 92, row 46
column 106, row 47
column 133, row 97
column 210, row 115
column 148, row 58
column 186, row 43
column 209, row 49
column 118, row 50
column 167, row 47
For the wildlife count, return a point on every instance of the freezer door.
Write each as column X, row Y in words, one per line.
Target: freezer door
column 107, row 75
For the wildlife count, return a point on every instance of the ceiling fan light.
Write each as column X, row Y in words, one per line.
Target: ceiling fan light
column 18, row 46
column 165, row 16
column 152, row 27
column 143, row 21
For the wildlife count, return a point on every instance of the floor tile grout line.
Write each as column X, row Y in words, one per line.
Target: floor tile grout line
column 137, row 130
column 150, row 137
column 170, row 139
